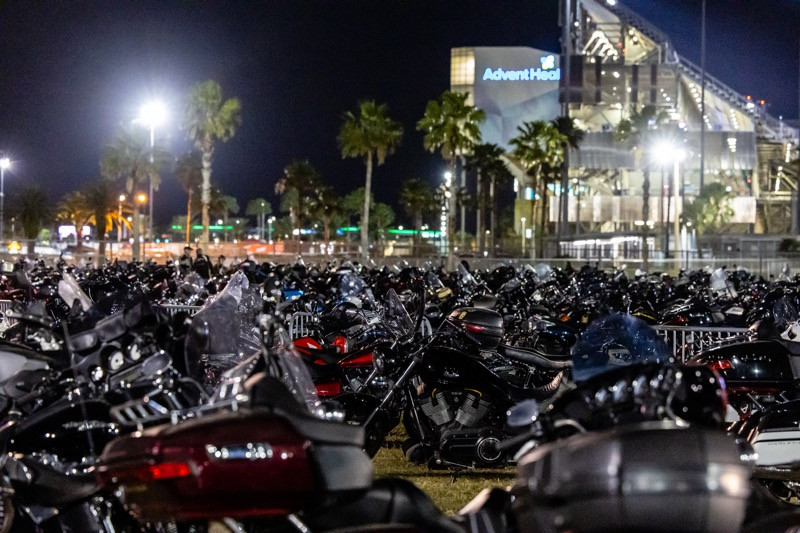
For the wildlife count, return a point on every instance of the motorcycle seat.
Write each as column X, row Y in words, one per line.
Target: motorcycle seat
column 389, row 505
column 537, row 359
column 322, row 431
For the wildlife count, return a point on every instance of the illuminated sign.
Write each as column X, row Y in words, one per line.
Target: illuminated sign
column 547, row 72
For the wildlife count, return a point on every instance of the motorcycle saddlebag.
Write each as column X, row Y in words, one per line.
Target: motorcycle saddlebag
column 646, row 477
column 235, row 464
column 761, row 365
column 776, row 439
column 483, row 326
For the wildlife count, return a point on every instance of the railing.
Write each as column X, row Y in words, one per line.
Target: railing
column 299, row 325
column 686, row 341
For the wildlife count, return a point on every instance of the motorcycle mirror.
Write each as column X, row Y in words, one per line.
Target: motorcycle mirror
column 523, row 414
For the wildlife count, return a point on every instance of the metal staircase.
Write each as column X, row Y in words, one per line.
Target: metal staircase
column 767, row 126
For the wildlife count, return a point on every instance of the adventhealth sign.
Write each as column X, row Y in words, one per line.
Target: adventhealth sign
column 547, row 72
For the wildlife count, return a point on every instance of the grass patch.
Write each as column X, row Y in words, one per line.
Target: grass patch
column 449, row 489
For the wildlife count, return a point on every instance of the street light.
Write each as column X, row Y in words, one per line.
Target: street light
column 119, row 221
column 667, row 153
column 151, row 115
column 141, row 199
column 270, row 220
column 4, row 164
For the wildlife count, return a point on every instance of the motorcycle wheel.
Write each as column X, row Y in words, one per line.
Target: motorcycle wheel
column 783, row 492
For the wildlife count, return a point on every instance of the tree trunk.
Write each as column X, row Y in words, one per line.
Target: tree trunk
column 136, row 230
column 543, row 219
column 208, row 150
column 492, row 219
column 645, row 218
column 100, row 226
column 189, row 218
column 32, row 246
column 365, row 211
column 451, row 220
column 478, row 216
column 418, row 235
column 326, row 231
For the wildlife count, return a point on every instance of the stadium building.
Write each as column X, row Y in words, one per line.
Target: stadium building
column 620, row 61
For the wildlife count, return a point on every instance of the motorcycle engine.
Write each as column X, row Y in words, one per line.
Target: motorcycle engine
column 462, row 438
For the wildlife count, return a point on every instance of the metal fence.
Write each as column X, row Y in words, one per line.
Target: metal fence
column 686, row 341
column 299, row 325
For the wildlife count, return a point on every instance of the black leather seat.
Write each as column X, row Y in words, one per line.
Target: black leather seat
column 538, row 359
column 390, row 504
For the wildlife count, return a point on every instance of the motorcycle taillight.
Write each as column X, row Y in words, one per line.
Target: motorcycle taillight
column 720, row 365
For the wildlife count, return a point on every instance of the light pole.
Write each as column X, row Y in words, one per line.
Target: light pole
column 667, row 154
column 4, row 164
column 119, row 220
column 141, row 199
column 270, row 220
column 152, row 114
column 263, row 216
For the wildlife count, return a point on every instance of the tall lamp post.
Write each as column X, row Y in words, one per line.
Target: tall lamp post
column 151, row 115
column 270, row 220
column 119, row 220
column 141, row 199
column 4, row 164
column 669, row 154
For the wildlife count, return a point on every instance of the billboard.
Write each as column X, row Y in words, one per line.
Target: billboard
column 515, row 85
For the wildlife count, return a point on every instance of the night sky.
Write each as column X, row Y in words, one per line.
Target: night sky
column 71, row 72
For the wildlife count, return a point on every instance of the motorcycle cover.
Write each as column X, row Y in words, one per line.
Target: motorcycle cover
column 616, row 340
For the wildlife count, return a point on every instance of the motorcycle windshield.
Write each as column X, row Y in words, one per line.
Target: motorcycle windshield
column 785, row 312
column 616, row 340
column 223, row 333
column 352, row 286
column 287, row 367
column 543, row 271
column 395, row 315
column 465, row 276
column 433, row 281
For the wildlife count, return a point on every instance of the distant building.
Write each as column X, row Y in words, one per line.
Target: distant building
column 622, row 61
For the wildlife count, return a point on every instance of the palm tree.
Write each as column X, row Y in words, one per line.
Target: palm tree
column 73, row 210
column 189, row 173
column 382, row 218
column 33, row 210
column 131, row 159
column 486, row 160
column 573, row 136
column 633, row 132
column 452, row 127
column 260, row 208
column 231, row 208
column 539, row 148
column 325, row 206
column 101, row 197
column 371, row 134
column 299, row 184
column 208, row 119
column 417, row 199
